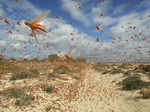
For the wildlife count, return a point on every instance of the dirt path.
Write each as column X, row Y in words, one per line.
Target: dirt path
column 94, row 92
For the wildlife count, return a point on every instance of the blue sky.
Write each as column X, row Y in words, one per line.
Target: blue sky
column 119, row 18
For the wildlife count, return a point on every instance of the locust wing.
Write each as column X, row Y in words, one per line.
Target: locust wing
column 40, row 16
column 34, row 35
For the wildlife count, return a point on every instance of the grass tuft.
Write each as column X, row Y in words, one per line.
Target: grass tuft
column 62, row 69
column 49, row 89
column 99, row 67
column 48, row 108
column 19, row 95
column 133, row 83
column 25, row 74
column 53, row 57
column 115, row 71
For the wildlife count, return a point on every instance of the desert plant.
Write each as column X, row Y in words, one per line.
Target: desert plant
column 133, row 83
column 51, row 75
column 115, row 71
column 19, row 95
column 62, row 69
column 76, row 77
column 53, row 57
column 105, row 72
column 99, row 67
column 14, row 92
column 48, row 108
column 25, row 74
column 144, row 68
column 6, row 67
column 24, row 101
column 128, row 73
column 49, row 89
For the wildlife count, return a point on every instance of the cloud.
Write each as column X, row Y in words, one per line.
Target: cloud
column 76, row 13
column 2, row 13
column 62, row 36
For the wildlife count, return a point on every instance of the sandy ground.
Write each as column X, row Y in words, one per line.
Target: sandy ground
column 94, row 92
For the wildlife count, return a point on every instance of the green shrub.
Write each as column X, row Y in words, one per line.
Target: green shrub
column 99, row 67
column 115, row 71
column 19, row 95
column 24, row 101
column 49, row 89
column 128, row 73
column 107, row 71
column 133, row 83
column 62, row 69
column 25, row 74
column 51, row 75
column 76, row 77
column 48, row 108
column 145, row 68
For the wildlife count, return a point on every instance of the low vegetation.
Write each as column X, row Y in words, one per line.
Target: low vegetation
column 116, row 71
column 22, row 99
column 48, row 108
column 7, row 67
column 99, row 67
column 133, row 83
column 53, row 57
column 62, row 69
column 25, row 74
column 49, row 89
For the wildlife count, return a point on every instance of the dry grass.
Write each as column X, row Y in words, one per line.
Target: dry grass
column 53, row 57
column 25, row 74
column 19, row 94
column 100, row 67
column 7, row 67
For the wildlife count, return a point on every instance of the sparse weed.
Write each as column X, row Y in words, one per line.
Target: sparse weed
column 24, row 101
column 128, row 73
column 99, row 67
column 133, row 83
column 53, row 57
column 76, row 77
column 19, row 95
column 51, row 75
column 6, row 67
column 105, row 72
column 62, row 69
column 49, row 89
column 25, row 74
column 48, row 108
column 115, row 71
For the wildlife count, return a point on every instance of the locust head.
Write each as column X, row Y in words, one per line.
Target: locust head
column 27, row 23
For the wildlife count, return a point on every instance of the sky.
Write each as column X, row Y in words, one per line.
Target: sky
column 102, row 30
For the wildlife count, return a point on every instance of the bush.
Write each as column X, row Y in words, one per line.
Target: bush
column 99, row 67
column 24, row 101
column 48, row 108
column 19, row 95
column 106, row 72
column 127, row 73
column 145, row 68
column 115, row 71
column 133, row 83
column 53, row 57
column 62, row 69
column 25, row 74
column 51, row 75
column 49, row 89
